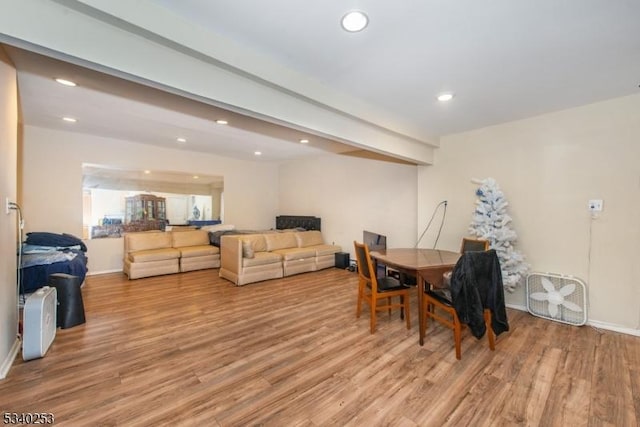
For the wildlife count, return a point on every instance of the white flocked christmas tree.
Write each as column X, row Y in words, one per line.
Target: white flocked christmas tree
column 490, row 221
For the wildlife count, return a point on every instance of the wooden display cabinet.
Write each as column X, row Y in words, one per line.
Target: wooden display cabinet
column 145, row 212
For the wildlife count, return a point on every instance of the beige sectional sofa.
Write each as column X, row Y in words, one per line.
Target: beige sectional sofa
column 248, row 258
column 152, row 253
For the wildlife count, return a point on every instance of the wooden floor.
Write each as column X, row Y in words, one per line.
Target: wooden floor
column 192, row 349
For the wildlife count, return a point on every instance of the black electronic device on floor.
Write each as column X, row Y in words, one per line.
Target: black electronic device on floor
column 342, row 260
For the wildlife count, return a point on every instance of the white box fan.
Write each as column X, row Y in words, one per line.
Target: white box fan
column 557, row 297
column 40, row 311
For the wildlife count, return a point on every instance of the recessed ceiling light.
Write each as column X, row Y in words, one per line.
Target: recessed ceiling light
column 355, row 21
column 304, row 141
column 147, row 172
column 66, row 82
column 69, row 119
column 257, row 153
column 221, row 122
column 195, row 177
column 445, row 97
column 181, row 139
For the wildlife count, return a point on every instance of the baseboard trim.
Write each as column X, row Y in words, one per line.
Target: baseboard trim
column 615, row 328
column 8, row 361
column 516, row 307
column 95, row 273
column 593, row 323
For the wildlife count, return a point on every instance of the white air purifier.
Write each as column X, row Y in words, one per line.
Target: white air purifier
column 39, row 322
column 557, row 297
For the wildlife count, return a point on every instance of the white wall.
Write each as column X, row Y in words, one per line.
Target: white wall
column 52, row 184
column 8, row 223
column 109, row 203
column 549, row 167
column 350, row 195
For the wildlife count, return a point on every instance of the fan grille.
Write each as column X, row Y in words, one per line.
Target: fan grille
column 540, row 299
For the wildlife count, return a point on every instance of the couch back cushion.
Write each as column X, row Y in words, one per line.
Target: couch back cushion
column 146, row 240
column 190, row 238
column 277, row 241
column 256, row 242
column 309, row 238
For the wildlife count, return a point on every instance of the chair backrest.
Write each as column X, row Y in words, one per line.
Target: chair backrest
column 476, row 283
column 366, row 271
column 480, row 269
column 474, row 245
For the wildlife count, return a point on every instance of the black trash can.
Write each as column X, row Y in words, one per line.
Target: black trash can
column 70, row 305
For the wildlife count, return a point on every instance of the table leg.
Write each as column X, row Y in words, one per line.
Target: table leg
column 421, row 316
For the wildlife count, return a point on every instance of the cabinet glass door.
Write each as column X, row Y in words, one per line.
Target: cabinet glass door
column 139, row 212
column 151, row 214
column 128, row 216
column 161, row 210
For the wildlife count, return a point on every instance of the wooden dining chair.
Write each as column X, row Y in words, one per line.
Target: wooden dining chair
column 440, row 305
column 469, row 244
column 372, row 289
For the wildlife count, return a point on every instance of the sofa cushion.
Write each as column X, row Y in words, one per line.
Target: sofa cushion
column 277, row 241
column 257, row 242
column 154, row 255
column 147, row 240
column 309, row 238
column 190, row 238
column 201, row 250
column 262, row 258
column 247, row 249
column 322, row 250
column 296, row 253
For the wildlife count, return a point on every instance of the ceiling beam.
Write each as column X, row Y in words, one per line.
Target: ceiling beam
column 142, row 42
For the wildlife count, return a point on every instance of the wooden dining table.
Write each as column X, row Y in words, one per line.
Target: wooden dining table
column 427, row 265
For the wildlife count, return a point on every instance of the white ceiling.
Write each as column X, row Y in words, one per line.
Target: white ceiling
column 504, row 60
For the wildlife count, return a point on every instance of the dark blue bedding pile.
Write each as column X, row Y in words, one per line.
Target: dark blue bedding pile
column 45, row 253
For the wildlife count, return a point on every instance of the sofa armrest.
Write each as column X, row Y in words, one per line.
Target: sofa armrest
column 231, row 253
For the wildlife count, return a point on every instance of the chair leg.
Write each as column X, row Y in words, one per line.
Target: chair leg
column 457, row 337
column 427, row 308
column 490, row 334
column 372, row 320
column 402, row 308
column 424, row 319
column 405, row 308
column 360, row 297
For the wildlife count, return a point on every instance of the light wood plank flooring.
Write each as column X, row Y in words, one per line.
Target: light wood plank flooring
column 192, row 349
